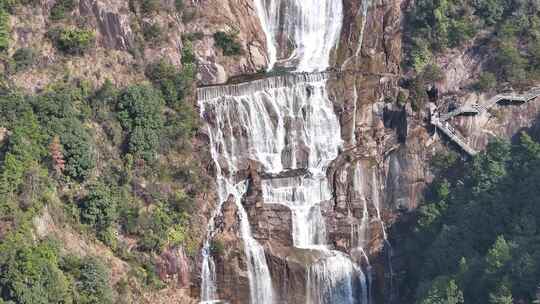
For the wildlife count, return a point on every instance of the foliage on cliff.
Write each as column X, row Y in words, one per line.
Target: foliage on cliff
column 476, row 237
column 113, row 162
column 116, row 164
column 509, row 29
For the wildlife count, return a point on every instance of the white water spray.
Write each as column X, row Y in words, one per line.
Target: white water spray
column 310, row 27
column 260, row 282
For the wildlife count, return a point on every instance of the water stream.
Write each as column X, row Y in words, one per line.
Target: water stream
column 285, row 123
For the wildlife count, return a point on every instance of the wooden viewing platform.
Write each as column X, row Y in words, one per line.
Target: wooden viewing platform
column 440, row 121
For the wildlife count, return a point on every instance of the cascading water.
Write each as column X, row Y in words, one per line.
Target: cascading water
column 285, row 123
column 310, row 27
column 260, row 282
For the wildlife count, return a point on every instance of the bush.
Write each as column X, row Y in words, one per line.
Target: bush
column 72, row 41
column 486, row 81
column 25, row 148
column 78, row 150
column 153, row 33
column 24, row 58
column 31, row 273
column 60, row 8
column 228, row 43
column 155, row 225
column 192, row 36
column 91, row 278
column 432, row 73
column 140, row 113
column 179, row 5
column 150, row 6
column 99, row 208
column 217, row 248
column 171, row 81
column 4, row 30
column 188, row 57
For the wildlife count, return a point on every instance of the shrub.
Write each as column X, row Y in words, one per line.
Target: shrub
column 140, row 113
column 72, row 41
column 4, row 30
column 155, row 225
column 24, row 57
column 60, row 8
column 93, row 283
column 217, row 248
column 188, row 57
column 228, row 43
column 153, row 33
column 192, row 36
column 179, row 5
column 91, row 278
column 171, row 81
column 78, row 150
column 150, row 6
column 432, row 73
column 99, row 208
column 31, row 273
column 24, row 149
column 486, row 81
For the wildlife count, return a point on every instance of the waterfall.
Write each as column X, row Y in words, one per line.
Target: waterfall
column 308, row 29
column 260, row 282
column 376, row 200
column 288, row 126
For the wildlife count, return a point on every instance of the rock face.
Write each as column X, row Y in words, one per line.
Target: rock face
column 112, row 21
column 232, row 16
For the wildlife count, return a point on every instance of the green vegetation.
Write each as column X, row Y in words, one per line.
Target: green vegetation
column 79, row 151
column 99, row 208
column 4, row 30
column 72, row 41
column 171, row 81
column 61, row 8
column 509, row 28
column 153, row 33
column 149, row 7
column 36, row 272
column 486, row 81
column 24, row 58
column 179, row 5
column 228, row 43
column 476, row 237
column 91, row 279
column 140, row 110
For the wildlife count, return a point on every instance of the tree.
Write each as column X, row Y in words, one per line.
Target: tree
column 93, row 282
column 78, row 150
column 170, row 80
column 228, row 43
column 491, row 11
column 140, row 113
column 4, row 30
column 31, row 274
column 502, row 294
column 443, row 290
column 498, row 255
column 99, row 208
column 486, row 81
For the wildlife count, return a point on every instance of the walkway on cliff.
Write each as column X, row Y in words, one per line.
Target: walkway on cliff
column 440, row 121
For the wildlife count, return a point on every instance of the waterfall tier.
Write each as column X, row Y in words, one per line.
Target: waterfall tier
column 283, row 123
column 301, row 32
column 265, row 84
